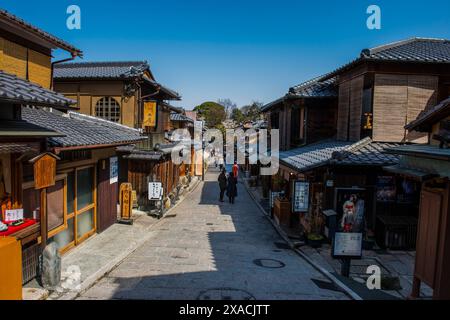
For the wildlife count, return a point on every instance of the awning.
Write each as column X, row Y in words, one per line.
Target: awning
column 144, row 156
column 410, row 173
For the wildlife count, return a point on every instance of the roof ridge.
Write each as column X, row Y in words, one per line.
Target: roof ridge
column 358, row 145
column 42, row 33
column 394, row 44
column 101, row 63
column 81, row 116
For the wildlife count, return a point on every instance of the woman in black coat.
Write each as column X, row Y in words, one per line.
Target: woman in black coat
column 231, row 188
column 222, row 183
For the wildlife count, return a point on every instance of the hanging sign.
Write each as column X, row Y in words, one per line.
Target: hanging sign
column 155, row 191
column 347, row 245
column 149, row 117
column 113, row 170
column 300, row 201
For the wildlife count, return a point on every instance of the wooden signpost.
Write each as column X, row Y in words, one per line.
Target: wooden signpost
column 126, row 205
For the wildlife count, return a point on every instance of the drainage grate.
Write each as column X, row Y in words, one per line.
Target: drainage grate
column 325, row 285
column 269, row 263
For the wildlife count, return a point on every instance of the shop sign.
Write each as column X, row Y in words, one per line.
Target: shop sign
column 301, row 196
column 330, row 183
column 386, row 189
column 150, row 111
column 347, row 245
column 13, row 215
column 125, row 200
column 113, row 170
column 44, row 167
column 155, row 191
column 273, row 196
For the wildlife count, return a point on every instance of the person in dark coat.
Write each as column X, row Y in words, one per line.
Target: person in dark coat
column 222, row 183
column 232, row 188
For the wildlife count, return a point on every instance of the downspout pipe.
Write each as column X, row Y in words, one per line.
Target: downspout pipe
column 74, row 55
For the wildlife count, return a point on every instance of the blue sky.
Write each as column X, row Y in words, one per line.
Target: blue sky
column 244, row 50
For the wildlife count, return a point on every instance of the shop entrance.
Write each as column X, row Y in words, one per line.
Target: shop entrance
column 81, row 208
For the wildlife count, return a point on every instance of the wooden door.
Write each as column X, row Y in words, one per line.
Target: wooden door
column 107, row 197
column 428, row 236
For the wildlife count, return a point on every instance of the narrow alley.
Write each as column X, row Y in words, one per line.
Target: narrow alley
column 214, row 251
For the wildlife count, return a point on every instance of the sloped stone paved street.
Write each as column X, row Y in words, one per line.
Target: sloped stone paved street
column 212, row 251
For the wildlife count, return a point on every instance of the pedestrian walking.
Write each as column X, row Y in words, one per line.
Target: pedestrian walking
column 222, row 184
column 232, row 188
column 235, row 170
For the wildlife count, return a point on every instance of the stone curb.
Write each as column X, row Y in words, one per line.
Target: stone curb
column 92, row 279
column 349, row 292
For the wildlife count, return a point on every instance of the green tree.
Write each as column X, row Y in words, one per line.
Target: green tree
column 212, row 113
column 237, row 115
column 252, row 112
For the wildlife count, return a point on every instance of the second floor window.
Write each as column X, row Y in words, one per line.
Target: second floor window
column 108, row 108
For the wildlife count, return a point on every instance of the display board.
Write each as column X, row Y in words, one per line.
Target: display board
column 347, row 245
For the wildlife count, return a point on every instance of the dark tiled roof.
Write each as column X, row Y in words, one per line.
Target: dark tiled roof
column 314, row 88
column 180, row 117
column 427, row 117
column 362, row 153
column 16, row 90
column 312, row 156
column 81, row 130
column 109, row 70
column 366, row 152
column 5, row 15
column 421, row 50
column 416, row 50
column 100, row 70
column 25, row 129
column 426, row 151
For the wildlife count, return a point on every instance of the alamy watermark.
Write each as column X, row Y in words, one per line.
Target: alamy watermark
column 241, row 147
column 374, row 20
column 73, row 21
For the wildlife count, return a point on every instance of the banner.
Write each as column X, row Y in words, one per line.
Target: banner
column 149, row 117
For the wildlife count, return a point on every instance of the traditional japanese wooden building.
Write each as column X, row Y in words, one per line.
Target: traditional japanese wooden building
column 429, row 165
column 306, row 114
column 378, row 94
column 58, row 170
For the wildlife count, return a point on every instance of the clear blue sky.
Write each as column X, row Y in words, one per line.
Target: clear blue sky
column 239, row 49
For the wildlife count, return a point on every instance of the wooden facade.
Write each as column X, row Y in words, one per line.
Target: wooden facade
column 303, row 121
column 378, row 99
column 25, row 60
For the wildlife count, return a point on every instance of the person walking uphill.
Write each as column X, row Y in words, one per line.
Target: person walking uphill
column 232, row 188
column 222, row 183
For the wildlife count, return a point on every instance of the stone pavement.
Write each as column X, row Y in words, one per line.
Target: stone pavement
column 393, row 264
column 84, row 265
column 213, row 250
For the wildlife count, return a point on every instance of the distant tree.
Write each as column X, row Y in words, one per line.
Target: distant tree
column 212, row 113
column 228, row 105
column 252, row 112
column 237, row 115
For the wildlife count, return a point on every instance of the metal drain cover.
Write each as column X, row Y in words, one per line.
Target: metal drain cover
column 269, row 263
column 225, row 294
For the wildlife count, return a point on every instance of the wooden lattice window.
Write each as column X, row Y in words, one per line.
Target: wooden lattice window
column 108, row 108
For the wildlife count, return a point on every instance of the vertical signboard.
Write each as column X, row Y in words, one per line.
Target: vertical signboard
column 149, row 117
column 113, row 170
column 300, row 201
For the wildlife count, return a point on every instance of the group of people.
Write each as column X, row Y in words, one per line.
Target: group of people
column 228, row 184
